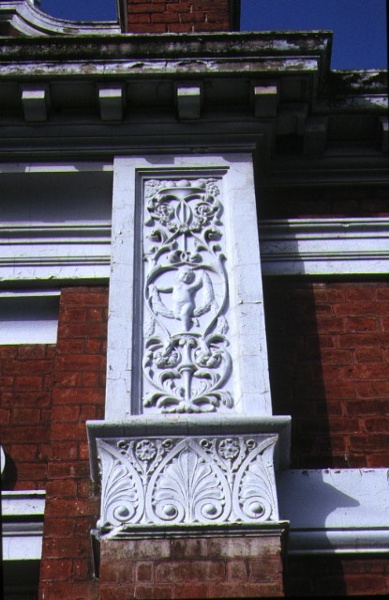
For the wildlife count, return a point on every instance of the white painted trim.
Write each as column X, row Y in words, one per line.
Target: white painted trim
column 80, row 251
column 23, row 503
column 22, row 539
column 2, row 460
column 338, row 246
column 172, row 67
column 56, row 251
column 38, row 249
column 56, row 167
column 22, row 546
column 334, row 511
column 336, row 541
column 27, row 318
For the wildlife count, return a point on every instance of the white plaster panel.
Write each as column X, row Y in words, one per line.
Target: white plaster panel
column 196, row 480
column 235, row 173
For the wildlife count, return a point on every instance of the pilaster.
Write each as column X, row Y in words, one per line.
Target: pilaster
column 189, row 448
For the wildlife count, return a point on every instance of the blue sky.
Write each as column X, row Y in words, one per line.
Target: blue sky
column 359, row 26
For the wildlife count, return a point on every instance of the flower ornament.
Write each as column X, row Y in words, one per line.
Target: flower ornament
column 146, row 450
column 229, row 448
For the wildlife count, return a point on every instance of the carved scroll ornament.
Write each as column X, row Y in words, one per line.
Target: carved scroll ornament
column 202, row 480
column 186, row 364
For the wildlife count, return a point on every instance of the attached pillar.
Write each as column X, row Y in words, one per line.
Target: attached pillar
column 186, row 457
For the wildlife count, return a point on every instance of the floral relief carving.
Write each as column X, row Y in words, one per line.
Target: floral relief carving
column 187, row 481
column 186, row 364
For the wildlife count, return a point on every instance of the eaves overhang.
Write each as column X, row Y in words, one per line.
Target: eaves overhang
column 269, row 84
column 296, row 63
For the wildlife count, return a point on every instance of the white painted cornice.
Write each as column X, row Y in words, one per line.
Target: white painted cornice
column 55, row 251
column 335, row 511
column 342, row 246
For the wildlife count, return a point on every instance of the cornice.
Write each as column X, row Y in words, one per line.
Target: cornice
column 171, row 45
column 343, row 246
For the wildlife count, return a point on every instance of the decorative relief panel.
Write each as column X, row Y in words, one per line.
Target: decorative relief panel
column 187, row 481
column 187, row 367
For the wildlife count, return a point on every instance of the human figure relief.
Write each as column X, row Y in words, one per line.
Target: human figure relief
column 184, row 297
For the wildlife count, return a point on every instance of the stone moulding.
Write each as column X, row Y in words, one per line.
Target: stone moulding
column 187, row 472
column 186, row 481
column 336, row 246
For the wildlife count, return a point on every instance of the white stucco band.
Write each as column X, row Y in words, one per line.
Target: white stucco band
column 224, row 230
column 342, row 511
column 22, row 525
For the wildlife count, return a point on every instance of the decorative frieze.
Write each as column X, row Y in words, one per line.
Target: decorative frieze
column 186, row 481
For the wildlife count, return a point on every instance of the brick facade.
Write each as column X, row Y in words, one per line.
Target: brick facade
column 26, row 375
column 327, row 337
column 337, row 576
column 201, row 567
column 181, row 16
column 78, row 395
column 328, row 352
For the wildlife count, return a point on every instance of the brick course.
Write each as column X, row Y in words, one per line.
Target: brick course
column 78, row 395
column 179, row 16
column 337, row 576
column 329, row 369
column 25, row 399
column 215, row 567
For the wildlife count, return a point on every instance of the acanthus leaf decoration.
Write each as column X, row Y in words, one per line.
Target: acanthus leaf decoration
column 188, row 488
column 121, row 489
column 186, row 481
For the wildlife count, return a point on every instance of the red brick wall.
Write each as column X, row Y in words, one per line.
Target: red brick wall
column 332, row 201
column 26, row 374
column 329, row 363
column 177, row 16
column 337, row 576
column 78, row 395
column 214, row 567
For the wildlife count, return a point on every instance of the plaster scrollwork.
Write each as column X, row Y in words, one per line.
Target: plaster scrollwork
column 187, row 481
column 186, row 365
